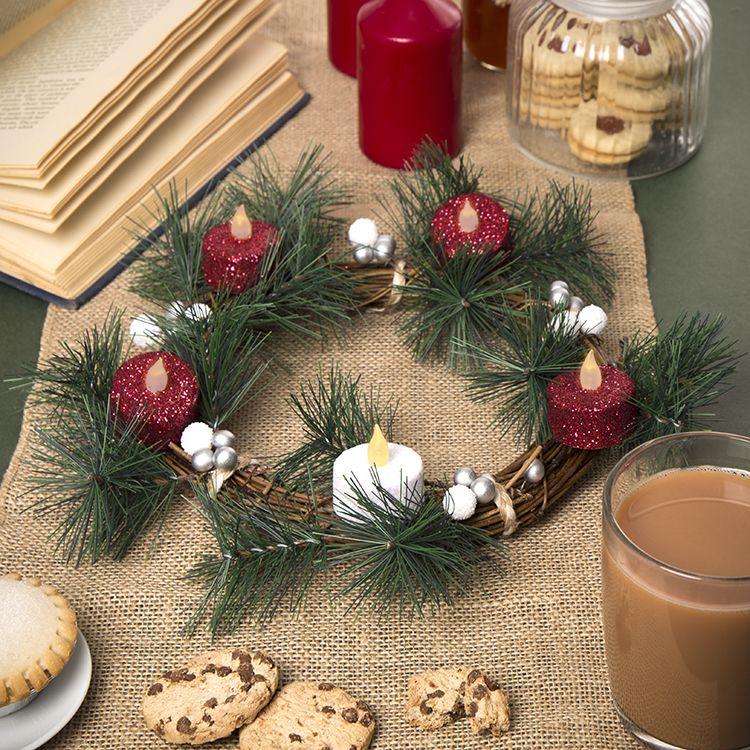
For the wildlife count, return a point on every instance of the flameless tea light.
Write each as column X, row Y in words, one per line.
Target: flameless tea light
column 160, row 391
column 474, row 221
column 374, row 468
column 232, row 252
column 591, row 409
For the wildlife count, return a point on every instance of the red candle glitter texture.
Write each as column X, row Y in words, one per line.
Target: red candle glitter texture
column 232, row 252
column 474, row 221
column 161, row 391
column 342, row 34
column 590, row 409
column 409, row 71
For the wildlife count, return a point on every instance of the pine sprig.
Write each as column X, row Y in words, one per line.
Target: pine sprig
column 679, row 374
column 533, row 351
column 555, row 237
column 461, row 301
column 428, row 180
column 82, row 373
column 381, row 554
column 109, row 486
column 171, row 270
column 396, row 558
column 300, row 278
column 224, row 351
column 336, row 415
column 267, row 560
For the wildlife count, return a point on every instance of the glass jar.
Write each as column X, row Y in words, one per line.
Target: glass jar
column 486, row 31
column 613, row 88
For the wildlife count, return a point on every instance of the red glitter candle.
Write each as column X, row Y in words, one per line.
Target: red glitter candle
column 160, row 391
column 474, row 221
column 409, row 70
column 342, row 34
column 591, row 409
column 232, row 252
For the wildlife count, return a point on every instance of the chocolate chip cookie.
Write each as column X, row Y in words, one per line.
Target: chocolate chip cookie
column 211, row 696
column 436, row 698
column 443, row 696
column 486, row 705
column 310, row 716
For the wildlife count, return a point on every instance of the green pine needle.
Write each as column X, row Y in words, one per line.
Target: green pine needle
column 533, row 351
column 554, row 237
column 224, row 351
column 381, row 554
column 464, row 300
column 679, row 373
column 109, row 486
column 171, row 269
column 82, row 373
column 395, row 558
column 336, row 415
column 267, row 560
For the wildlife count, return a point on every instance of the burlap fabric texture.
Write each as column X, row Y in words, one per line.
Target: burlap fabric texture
column 532, row 622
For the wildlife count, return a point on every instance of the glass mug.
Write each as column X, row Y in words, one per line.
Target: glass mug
column 678, row 642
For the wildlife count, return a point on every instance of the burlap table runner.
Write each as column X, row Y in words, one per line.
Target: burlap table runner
column 534, row 623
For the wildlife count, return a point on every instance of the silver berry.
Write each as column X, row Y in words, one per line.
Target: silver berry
column 464, row 475
column 223, row 439
column 362, row 254
column 534, row 472
column 484, row 488
column 576, row 304
column 384, row 248
column 559, row 297
column 558, row 284
column 203, row 460
column 225, row 458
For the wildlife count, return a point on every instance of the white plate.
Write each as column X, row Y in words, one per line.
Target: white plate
column 53, row 708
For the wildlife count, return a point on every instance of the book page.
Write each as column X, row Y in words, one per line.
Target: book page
column 21, row 19
column 205, row 111
column 50, row 83
column 46, row 209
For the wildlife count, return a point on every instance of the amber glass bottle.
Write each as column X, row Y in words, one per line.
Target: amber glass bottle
column 486, row 31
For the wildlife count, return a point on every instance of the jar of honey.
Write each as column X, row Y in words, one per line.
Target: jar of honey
column 614, row 88
column 486, row 31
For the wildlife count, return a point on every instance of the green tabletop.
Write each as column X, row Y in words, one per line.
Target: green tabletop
column 696, row 222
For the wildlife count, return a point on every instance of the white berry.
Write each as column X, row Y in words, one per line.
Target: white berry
column 459, row 502
column 195, row 437
column 144, row 331
column 592, row 320
column 363, row 232
column 198, row 311
column 566, row 321
column 174, row 310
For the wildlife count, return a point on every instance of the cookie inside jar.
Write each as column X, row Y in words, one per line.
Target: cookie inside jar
column 608, row 92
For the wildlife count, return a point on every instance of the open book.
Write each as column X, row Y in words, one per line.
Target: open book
column 177, row 89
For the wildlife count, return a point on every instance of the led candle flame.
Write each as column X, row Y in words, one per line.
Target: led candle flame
column 468, row 218
column 377, row 449
column 156, row 377
column 591, row 374
column 242, row 227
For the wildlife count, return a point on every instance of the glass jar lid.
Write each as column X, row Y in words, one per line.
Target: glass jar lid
column 621, row 9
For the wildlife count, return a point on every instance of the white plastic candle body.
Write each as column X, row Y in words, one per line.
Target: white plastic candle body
column 402, row 477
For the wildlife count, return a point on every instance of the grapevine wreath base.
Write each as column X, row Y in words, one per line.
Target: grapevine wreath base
column 501, row 289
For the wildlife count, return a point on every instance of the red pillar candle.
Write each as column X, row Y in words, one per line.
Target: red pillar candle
column 160, row 391
column 474, row 221
column 591, row 409
column 342, row 34
column 232, row 252
column 409, row 71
